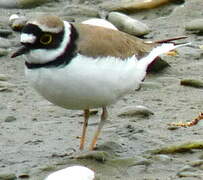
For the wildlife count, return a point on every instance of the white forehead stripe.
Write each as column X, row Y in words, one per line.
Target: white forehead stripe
column 27, row 38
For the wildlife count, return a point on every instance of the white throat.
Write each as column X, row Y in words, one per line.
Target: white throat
column 41, row 56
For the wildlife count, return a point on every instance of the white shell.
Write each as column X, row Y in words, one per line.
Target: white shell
column 72, row 173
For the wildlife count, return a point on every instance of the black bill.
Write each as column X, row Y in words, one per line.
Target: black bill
column 22, row 50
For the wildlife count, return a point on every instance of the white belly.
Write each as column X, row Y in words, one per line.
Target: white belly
column 87, row 83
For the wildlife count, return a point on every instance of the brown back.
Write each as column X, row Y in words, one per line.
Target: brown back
column 98, row 41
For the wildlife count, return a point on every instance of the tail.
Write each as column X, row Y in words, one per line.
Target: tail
column 159, row 50
column 170, row 40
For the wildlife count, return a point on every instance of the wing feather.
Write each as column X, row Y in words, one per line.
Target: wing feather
column 98, row 41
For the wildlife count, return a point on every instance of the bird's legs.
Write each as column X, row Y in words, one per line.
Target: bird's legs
column 100, row 126
column 84, row 130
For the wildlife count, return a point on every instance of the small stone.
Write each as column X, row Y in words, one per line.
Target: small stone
column 172, row 128
column 10, row 119
column 188, row 174
column 21, row 3
column 4, row 77
column 196, row 163
column 9, row 176
column 127, row 24
column 192, row 82
column 5, row 43
column 5, row 86
column 187, row 168
column 17, row 22
column 93, row 112
column 135, row 111
column 13, row 17
column 24, row 175
column 195, row 25
column 3, row 52
column 5, row 32
column 162, row 158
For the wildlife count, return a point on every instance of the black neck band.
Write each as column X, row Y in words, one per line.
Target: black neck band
column 64, row 58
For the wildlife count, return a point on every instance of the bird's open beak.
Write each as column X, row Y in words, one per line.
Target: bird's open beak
column 22, row 50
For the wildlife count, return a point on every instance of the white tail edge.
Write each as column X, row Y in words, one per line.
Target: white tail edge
column 159, row 50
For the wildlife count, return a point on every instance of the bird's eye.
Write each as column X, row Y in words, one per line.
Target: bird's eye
column 46, row 39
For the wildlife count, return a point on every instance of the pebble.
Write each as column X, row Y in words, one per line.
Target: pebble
column 5, row 43
column 172, row 128
column 188, row 174
column 195, row 25
column 21, row 3
column 24, row 175
column 17, row 22
column 13, row 17
column 72, row 173
column 163, row 158
column 127, row 24
column 3, row 77
column 192, row 82
column 5, row 32
column 187, row 168
column 135, row 111
column 5, row 86
column 10, row 119
column 196, row 163
column 9, row 176
column 3, row 52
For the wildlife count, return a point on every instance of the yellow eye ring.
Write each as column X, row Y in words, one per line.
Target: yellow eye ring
column 46, row 39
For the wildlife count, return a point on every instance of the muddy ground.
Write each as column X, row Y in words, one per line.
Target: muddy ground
column 37, row 137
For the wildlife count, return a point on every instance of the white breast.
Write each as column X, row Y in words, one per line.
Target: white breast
column 86, row 82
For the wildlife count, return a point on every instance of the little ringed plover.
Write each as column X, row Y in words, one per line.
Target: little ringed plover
column 81, row 66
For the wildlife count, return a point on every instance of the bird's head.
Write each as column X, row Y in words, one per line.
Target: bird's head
column 43, row 39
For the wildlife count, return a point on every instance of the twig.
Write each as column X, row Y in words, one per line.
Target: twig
column 189, row 124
